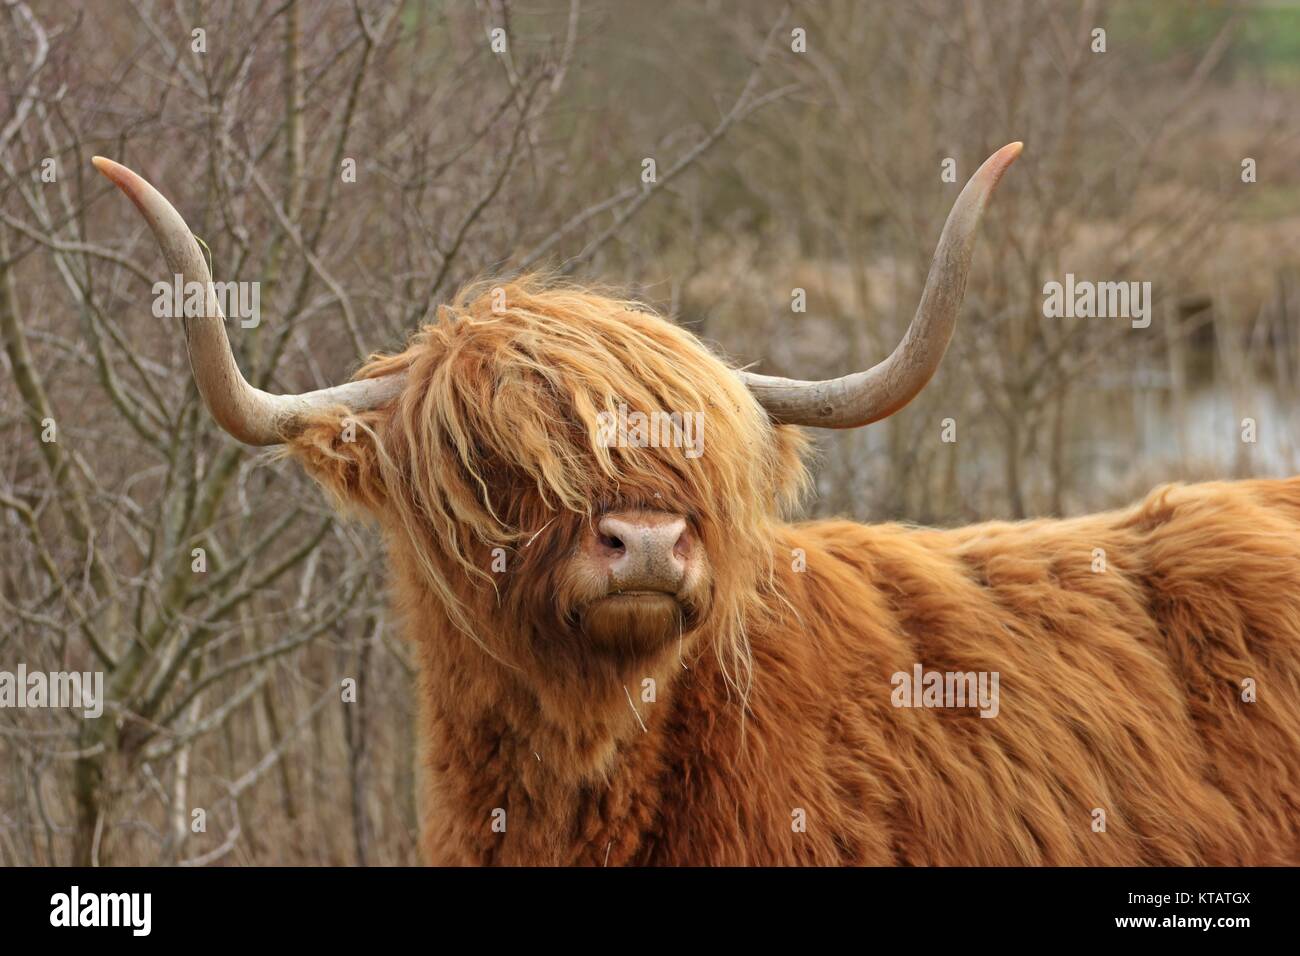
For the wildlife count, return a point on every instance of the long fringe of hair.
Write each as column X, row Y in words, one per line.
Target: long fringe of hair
column 498, row 434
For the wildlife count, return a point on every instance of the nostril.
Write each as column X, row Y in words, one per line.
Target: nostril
column 682, row 547
column 610, row 541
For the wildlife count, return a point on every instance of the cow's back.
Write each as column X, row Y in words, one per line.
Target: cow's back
column 1126, row 646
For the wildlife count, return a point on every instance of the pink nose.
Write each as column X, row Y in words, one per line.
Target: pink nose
column 644, row 550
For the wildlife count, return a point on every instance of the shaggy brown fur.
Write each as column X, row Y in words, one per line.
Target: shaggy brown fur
column 1120, row 689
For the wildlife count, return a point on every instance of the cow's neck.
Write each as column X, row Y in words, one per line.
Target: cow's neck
column 527, row 770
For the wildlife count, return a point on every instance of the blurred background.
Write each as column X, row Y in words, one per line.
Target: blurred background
column 777, row 169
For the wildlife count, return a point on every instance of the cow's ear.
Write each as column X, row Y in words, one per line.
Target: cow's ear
column 341, row 452
column 789, row 472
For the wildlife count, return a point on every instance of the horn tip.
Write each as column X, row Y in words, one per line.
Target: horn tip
column 136, row 189
column 1008, row 154
column 105, row 165
column 991, row 172
column 119, row 174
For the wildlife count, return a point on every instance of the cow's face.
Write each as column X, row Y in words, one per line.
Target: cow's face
column 573, row 477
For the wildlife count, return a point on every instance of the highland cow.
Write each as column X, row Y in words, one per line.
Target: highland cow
column 627, row 656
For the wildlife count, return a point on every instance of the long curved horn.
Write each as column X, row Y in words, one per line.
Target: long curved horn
column 249, row 414
column 865, row 397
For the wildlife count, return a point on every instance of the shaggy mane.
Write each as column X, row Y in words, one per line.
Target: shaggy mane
column 496, row 435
